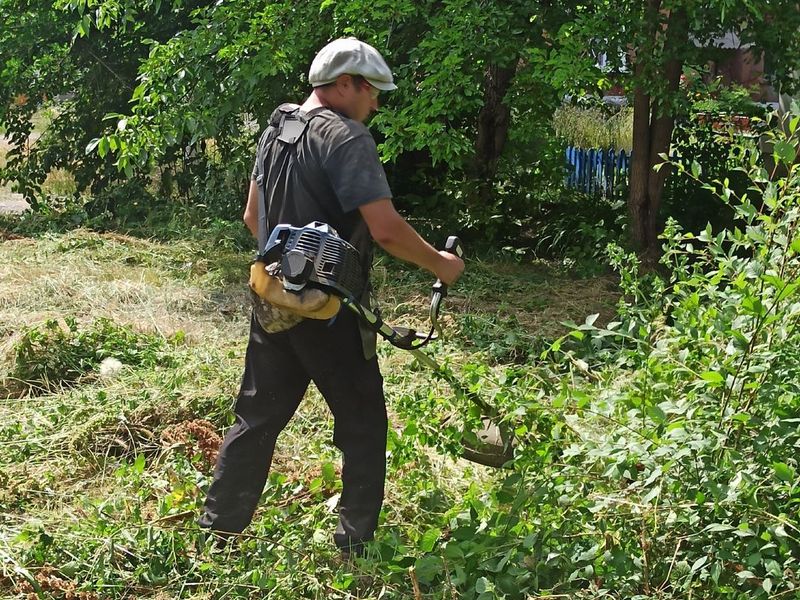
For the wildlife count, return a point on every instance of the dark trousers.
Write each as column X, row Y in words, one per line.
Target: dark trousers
column 278, row 369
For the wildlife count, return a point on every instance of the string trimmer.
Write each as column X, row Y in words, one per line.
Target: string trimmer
column 316, row 256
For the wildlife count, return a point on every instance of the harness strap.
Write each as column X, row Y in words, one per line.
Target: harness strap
column 289, row 130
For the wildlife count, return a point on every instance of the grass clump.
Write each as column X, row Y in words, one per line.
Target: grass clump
column 594, row 127
column 58, row 353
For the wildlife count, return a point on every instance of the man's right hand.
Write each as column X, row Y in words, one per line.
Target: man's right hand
column 450, row 268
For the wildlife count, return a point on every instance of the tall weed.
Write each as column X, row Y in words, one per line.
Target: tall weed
column 594, row 127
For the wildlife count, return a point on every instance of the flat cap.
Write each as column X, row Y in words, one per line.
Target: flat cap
column 349, row 56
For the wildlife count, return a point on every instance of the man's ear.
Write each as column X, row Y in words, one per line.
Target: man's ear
column 343, row 82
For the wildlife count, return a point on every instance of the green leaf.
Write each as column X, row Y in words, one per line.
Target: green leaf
column 699, row 563
column 483, row 585
column 453, row 551
column 783, row 471
column 102, row 147
column 92, row 145
column 785, row 151
column 656, row 413
column 713, row 378
column 427, row 568
column 138, row 464
column 328, row 472
column 429, row 539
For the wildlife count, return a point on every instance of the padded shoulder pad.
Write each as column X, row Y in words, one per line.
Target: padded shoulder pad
column 284, row 109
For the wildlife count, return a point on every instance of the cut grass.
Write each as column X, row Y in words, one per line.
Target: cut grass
column 94, row 469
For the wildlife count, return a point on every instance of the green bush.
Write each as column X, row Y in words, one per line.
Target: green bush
column 695, row 487
column 57, row 353
column 718, row 98
column 575, row 225
column 715, row 152
column 656, row 454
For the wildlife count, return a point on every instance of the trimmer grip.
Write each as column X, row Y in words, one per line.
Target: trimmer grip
column 453, row 246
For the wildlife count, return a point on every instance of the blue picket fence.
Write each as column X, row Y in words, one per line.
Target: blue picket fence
column 601, row 172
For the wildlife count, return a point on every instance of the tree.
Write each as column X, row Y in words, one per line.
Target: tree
column 69, row 51
column 660, row 38
column 466, row 85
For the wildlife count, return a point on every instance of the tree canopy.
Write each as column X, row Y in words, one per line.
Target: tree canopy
column 185, row 87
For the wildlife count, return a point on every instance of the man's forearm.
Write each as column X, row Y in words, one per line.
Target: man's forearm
column 402, row 241
column 398, row 238
column 250, row 216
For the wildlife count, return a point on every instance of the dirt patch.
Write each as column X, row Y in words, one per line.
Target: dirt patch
column 6, row 235
column 9, row 201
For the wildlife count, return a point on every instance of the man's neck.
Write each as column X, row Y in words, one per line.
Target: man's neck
column 313, row 101
column 317, row 100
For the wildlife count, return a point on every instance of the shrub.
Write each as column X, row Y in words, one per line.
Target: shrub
column 716, row 154
column 695, row 484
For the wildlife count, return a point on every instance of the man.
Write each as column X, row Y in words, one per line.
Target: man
column 329, row 172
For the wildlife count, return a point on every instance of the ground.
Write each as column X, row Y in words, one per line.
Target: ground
column 12, row 203
column 98, row 453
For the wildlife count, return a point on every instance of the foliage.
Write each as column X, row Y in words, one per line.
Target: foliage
column 705, row 424
column 576, row 226
column 659, row 38
column 427, row 128
column 58, row 353
column 51, row 60
column 718, row 98
column 654, row 458
column 717, row 153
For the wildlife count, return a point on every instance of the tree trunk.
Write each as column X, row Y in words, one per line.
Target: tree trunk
column 493, row 122
column 638, row 202
column 652, row 132
column 663, row 122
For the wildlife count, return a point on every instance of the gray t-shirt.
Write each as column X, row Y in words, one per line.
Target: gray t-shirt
column 330, row 172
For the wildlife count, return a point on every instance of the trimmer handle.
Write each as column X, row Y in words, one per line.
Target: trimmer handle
column 453, row 246
column 439, row 291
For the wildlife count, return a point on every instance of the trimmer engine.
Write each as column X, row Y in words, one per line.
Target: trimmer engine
column 315, row 254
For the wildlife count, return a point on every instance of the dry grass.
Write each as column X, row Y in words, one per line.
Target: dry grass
column 59, row 182
column 89, row 275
